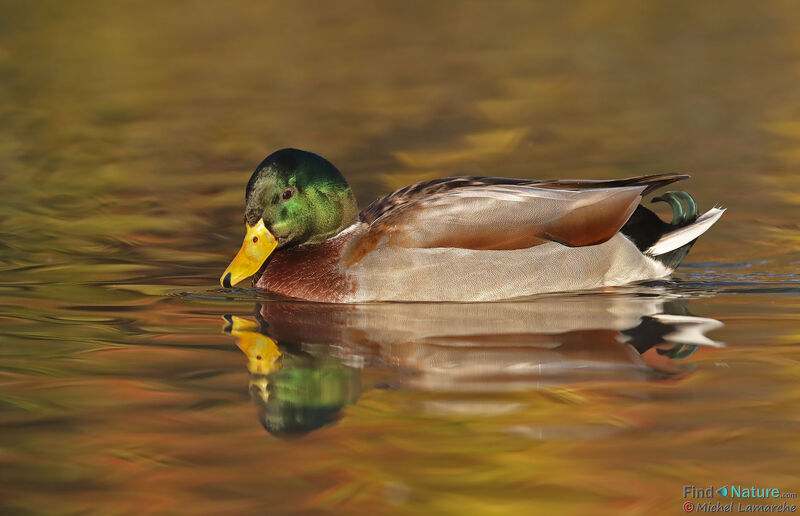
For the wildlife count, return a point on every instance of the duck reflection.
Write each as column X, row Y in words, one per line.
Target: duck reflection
column 305, row 359
column 298, row 387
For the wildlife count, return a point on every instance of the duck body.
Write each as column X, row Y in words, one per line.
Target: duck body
column 484, row 239
column 318, row 272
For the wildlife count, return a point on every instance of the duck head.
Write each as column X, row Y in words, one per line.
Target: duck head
column 294, row 197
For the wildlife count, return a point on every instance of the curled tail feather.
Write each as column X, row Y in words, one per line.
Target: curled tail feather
column 684, row 209
column 670, row 242
column 673, row 246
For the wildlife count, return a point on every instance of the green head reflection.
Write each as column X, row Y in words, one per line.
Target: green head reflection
column 306, row 395
column 298, row 388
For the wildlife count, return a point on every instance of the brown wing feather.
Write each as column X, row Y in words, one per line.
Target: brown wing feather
column 502, row 213
column 417, row 192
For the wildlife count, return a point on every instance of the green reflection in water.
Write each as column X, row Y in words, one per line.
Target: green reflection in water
column 298, row 390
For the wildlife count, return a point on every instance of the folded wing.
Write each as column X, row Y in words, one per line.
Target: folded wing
column 501, row 214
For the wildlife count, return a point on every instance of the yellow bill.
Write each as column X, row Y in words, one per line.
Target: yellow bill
column 257, row 246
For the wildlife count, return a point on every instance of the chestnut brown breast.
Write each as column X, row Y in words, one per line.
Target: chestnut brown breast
column 310, row 271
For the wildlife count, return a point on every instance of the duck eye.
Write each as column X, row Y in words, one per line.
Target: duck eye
column 287, row 194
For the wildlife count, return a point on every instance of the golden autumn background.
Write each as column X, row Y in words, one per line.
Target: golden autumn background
column 129, row 129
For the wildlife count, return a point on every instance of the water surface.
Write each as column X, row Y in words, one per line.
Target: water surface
column 130, row 383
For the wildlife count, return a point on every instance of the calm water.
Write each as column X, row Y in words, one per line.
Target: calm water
column 131, row 383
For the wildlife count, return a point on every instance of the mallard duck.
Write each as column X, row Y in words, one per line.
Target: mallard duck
column 454, row 239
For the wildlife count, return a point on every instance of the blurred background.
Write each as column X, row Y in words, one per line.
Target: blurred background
column 128, row 131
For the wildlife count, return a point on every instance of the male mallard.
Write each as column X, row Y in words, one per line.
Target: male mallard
column 453, row 239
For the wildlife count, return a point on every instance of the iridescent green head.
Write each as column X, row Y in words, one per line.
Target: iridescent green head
column 293, row 197
column 302, row 198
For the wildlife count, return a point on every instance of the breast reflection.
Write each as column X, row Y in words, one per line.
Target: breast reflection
column 305, row 359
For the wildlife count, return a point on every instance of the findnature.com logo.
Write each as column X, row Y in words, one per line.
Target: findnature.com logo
column 730, row 498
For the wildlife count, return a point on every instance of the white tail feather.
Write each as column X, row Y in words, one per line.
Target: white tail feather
column 682, row 236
